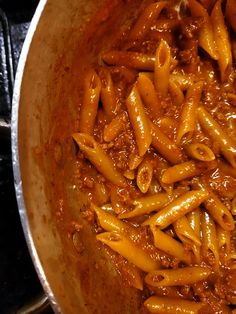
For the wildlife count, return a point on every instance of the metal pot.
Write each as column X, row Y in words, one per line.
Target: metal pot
column 46, row 92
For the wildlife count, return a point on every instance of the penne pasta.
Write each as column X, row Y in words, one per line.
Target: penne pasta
column 164, row 145
column 164, row 305
column 213, row 129
column 162, row 68
column 161, row 166
column 146, row 205
column 180, row 172
column 114, row 128
column 185, row 233
column 183, row 81
column 145, row 20
column 187, row 123
column 110, row 222
column 200, row 152
column 129, row 174
column 126, row 248
column 132, row 59
column 233, row 206
column 148, row 93
column 134, row 161
column 88, row 111
column 177, row 277
column 218, row 210
column 169, row 245
column 108, row 94
column 206, row 36
column 177, row 209
column 176, row 93
column 144, row 175
column 222, row 41
column 101, row 193
column 210, row 248
column 99, row 158
column 139, row 121
column 194, row 219
column 223, row 237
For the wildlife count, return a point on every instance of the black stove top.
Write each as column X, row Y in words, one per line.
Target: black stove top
column 19, row 284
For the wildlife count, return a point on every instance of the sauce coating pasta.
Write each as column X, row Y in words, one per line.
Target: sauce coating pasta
column 158, row 167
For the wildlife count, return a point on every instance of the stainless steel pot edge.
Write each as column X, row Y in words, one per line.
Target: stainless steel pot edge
column 15, row 155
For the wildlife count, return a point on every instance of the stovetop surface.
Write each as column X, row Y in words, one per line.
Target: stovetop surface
column 19, row 283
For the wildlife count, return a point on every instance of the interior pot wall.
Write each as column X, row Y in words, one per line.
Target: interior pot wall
column 50, row 81
column 55, row 37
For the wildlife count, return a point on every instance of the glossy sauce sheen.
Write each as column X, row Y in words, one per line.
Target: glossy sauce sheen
column 78, row 183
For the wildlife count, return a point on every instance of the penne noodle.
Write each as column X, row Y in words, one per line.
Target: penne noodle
column 233, row 206
column 134, row 161
column 108, row 94
column 185, row 233
column 231, row 13
column 187, row 123
column 177, row 277
column 206, row 36
column 114, row 128
column 168, row 125
column 129, row 174
column 144, row 175
column 139, row 121
column 126, row 248
column 194, row 219
column 145, row 20
column 218, row 210
column 131, row 59
column 223, row 237
column 102, row 162
column 164, row 305
column 180, row 172
column 177, row 209
column 101, row 194
column 109, row 222
column 166, row 24
column 176, row 93
column 183, row 81
column 222, row 41
column 169, row 245
column 164, row 145
column 213, row 129
column 88, row 112
column 200, row 152
column 146, row 205
column 161, row 166
column 162, row 68
column 210, row 247
column 148, row 93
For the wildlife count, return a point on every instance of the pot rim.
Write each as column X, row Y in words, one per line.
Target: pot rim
column 15, row 155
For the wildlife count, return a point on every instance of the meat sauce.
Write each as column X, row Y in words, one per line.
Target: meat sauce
column 180, row 30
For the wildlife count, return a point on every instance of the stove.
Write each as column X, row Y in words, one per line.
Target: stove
column 20, row 289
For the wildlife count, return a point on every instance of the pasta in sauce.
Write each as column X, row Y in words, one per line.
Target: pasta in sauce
column 158, row 130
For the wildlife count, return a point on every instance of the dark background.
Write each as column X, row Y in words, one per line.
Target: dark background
column 18, row 281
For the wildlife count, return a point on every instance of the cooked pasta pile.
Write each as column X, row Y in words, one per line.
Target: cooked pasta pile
column 157, row 146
